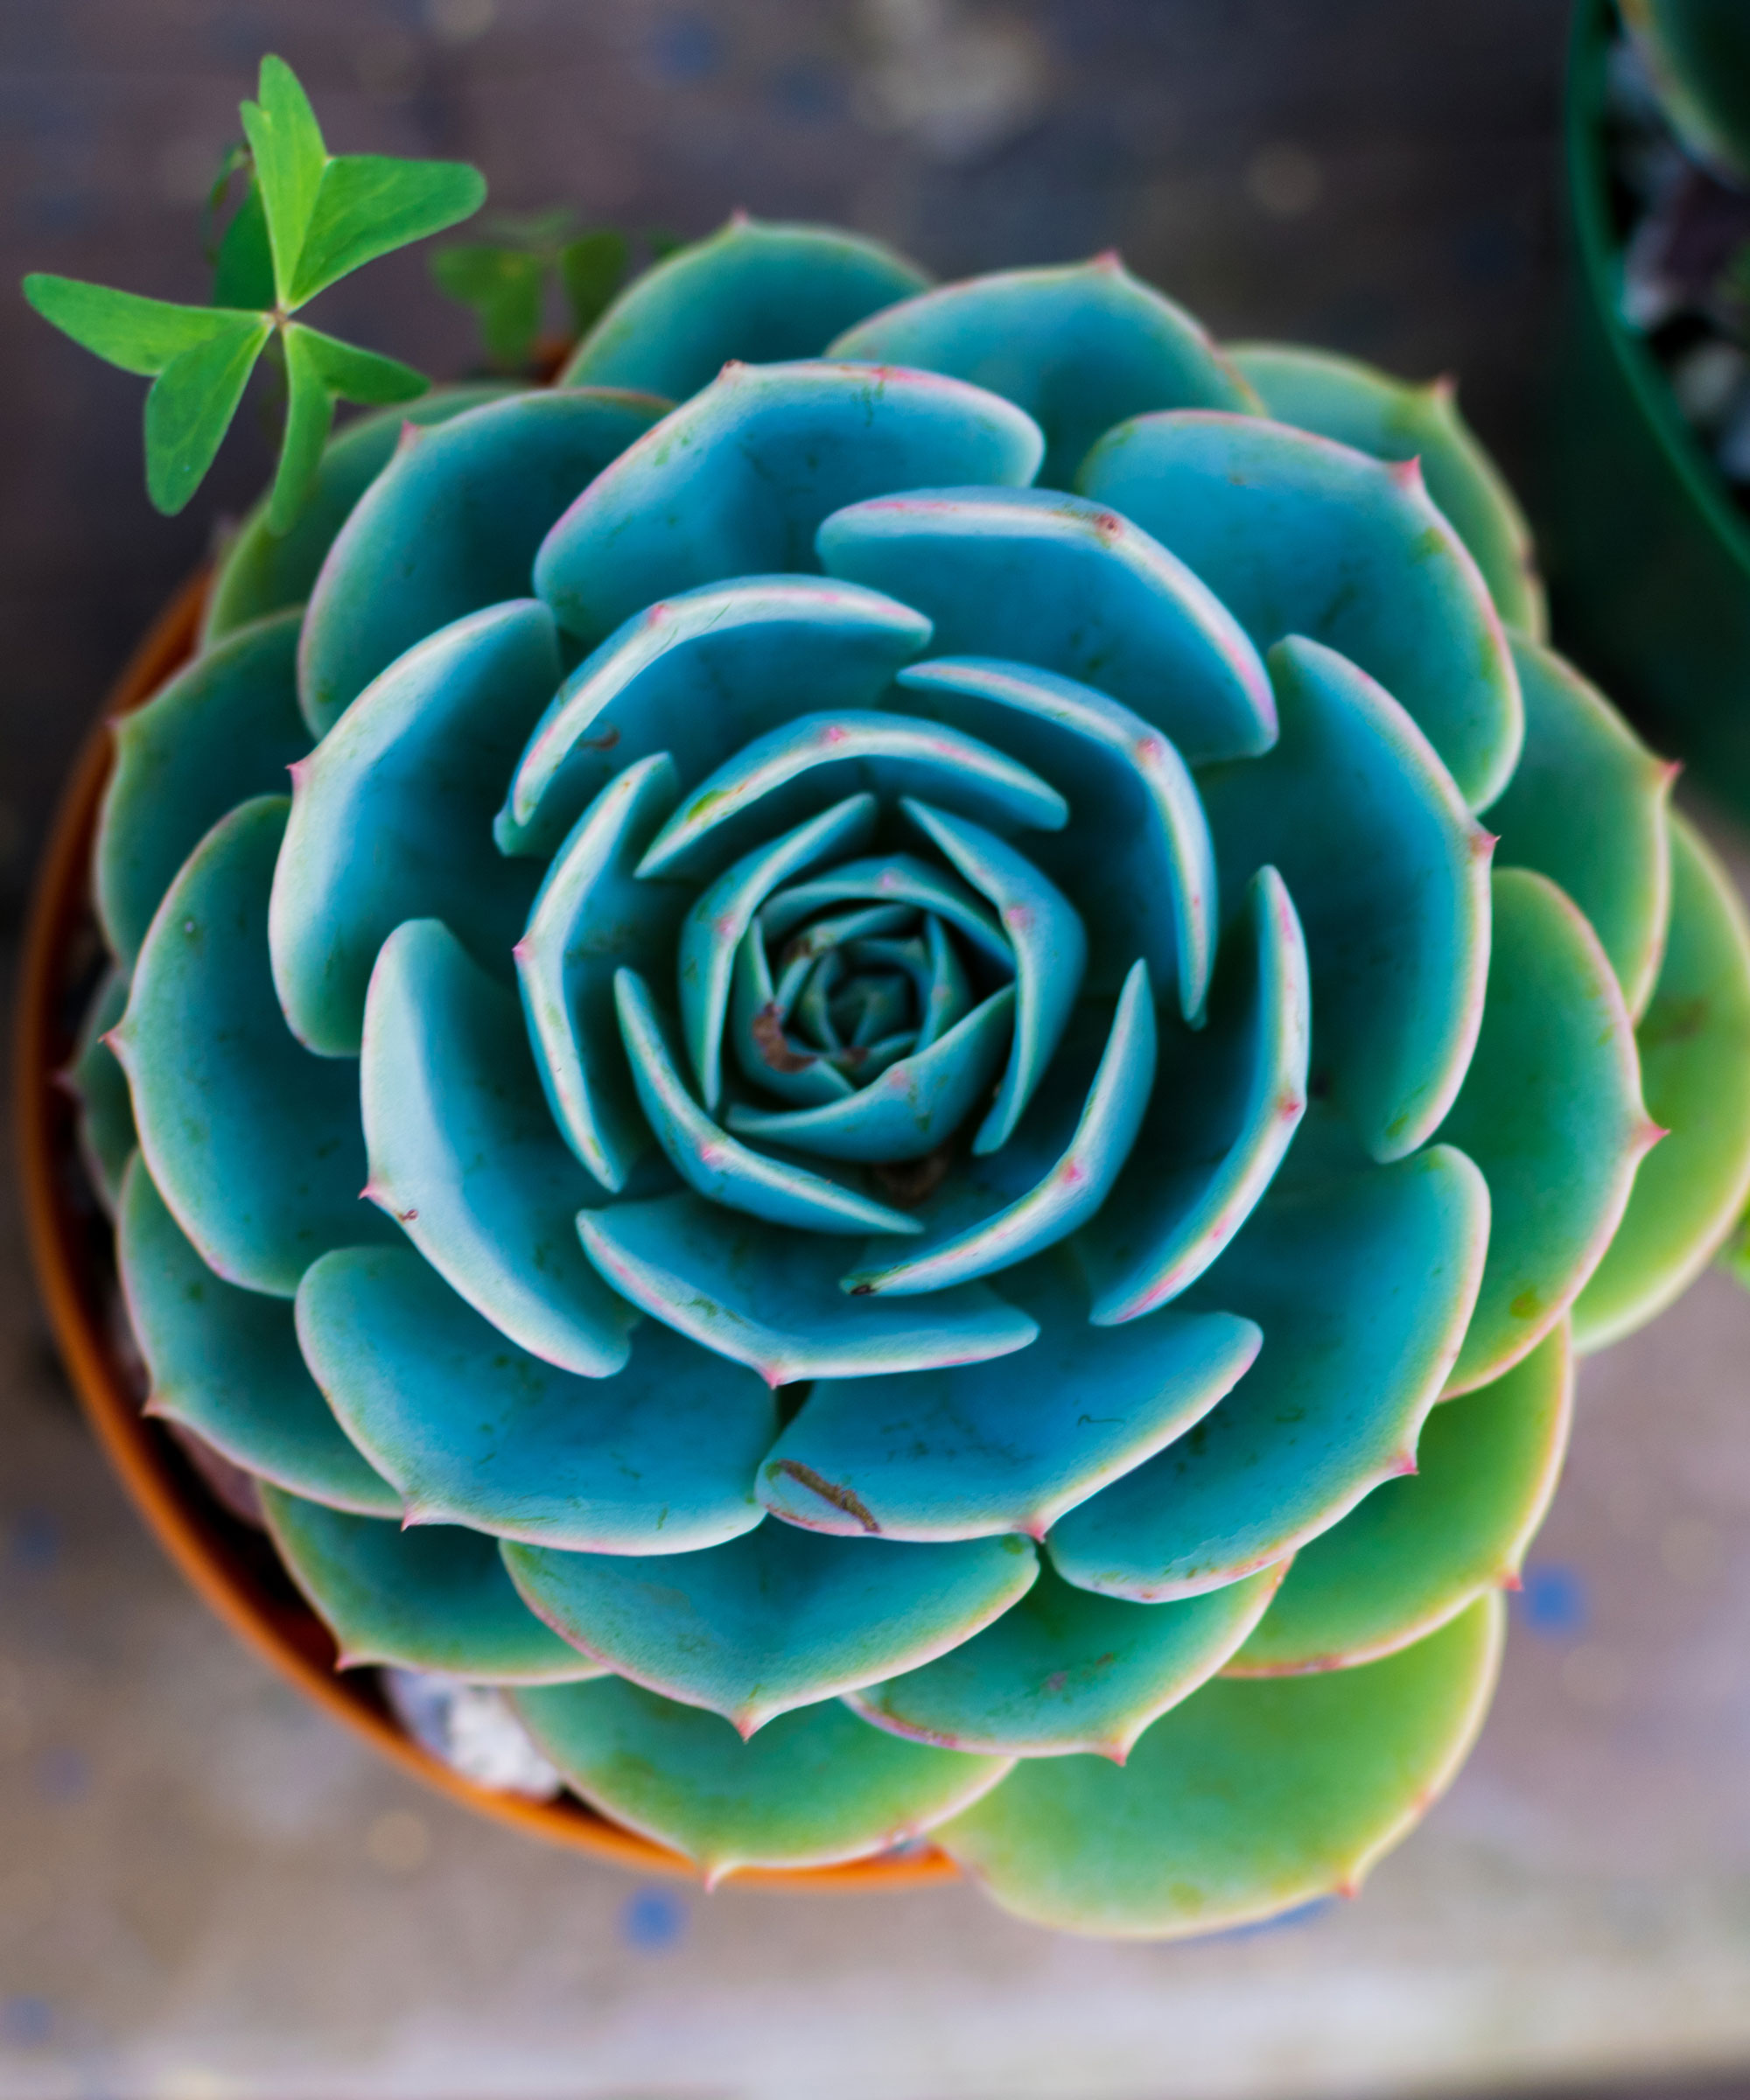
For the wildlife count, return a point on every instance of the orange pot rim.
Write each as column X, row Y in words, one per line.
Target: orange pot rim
column 226, row 1563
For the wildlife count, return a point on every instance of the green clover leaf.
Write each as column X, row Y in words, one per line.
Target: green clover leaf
column 307, row 218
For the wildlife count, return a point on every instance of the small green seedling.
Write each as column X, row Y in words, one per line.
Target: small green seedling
column 505, row 280
column 308, row 219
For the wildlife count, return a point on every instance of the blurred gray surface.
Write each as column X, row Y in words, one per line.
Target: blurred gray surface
column 209, row 1889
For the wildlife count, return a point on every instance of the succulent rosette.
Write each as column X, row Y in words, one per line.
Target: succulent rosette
column 979, row 1190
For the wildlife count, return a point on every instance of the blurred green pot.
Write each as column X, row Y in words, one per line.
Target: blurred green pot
column 1650, row 571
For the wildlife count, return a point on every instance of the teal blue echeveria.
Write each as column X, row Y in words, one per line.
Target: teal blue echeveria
column 968, row 952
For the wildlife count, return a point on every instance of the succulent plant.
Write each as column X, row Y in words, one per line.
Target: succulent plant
column 979, row 1195
column 1698, row 53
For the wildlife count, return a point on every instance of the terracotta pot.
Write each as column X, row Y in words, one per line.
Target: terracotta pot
column 228, row 1562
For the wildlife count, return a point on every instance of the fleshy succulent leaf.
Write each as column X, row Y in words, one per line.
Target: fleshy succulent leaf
column 814, row 1787
column 1419, row 1550
column 1357, row 404
column 464, row 1154
column 813, row 761
column 1070, row 1191
column 1299, row 535
column 737, row 480
column 1364, row 1287
column 106, row 1133
column 757, row 293
column 1065, row 1672
column 1079, row 348
column 1389, row 877
column 1587, row 806
column 1218, row 1125
column 225, row 1363
column 658, row 1459
column 1246, row 1799
column 391, row 817
column 1145, row 873
column 450, row 526
column 777, row 1618
column 254, row 1143
column 225, row 727
column 769, row 1297
column 590, row 915
column 1050, row 952
column 709, row 1160
column 698, row 677
column 967, row 1451
column 1694, row 1041
column 1551, row 1111
column 719, row 916
column 1066, row 586
column 437, row 1598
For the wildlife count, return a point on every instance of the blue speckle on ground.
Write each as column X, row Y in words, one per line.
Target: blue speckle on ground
column 652, row 1918
column 27, row 2021
column 33, row 1542
column 1553, row 1602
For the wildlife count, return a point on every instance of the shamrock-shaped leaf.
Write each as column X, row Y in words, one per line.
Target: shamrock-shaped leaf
column 306, row 220
column 505, row 280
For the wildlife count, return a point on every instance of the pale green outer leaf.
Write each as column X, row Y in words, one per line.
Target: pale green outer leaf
column 814, row 1787
column 308, row 417
column 1694, row 1041
column 191, row 405
column 1355, row 403
column 1063, row 1671
column 1419, row 1550
column 139, row 334
column 1247, row 1800
column 368, row 204
column 1551, row 1111
column 290, row 157
column 1588, row 805
column 431, row 1597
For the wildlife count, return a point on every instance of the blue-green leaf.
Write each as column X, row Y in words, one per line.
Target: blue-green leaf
column 776, row 1619
column 660, row 1458
column 434, row 1598
column 225, row 1363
